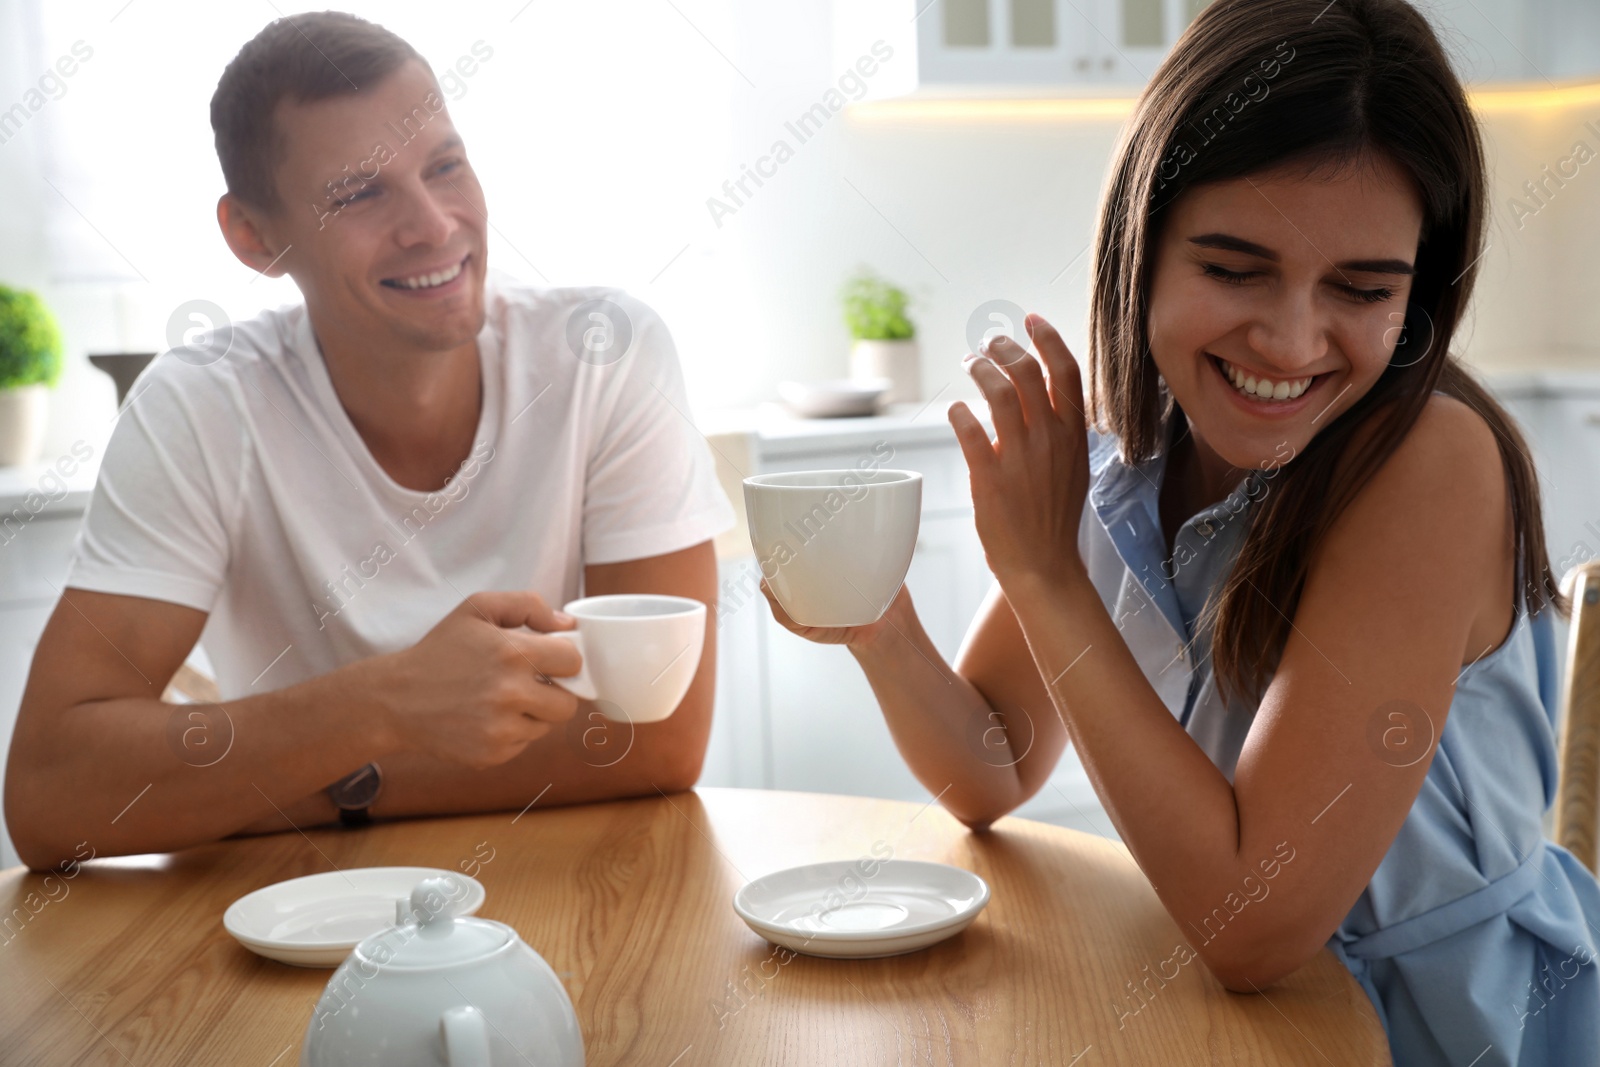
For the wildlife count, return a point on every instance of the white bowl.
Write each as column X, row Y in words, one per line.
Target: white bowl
column 838, row 398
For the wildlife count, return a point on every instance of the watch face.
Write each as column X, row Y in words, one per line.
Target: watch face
column 357, row 790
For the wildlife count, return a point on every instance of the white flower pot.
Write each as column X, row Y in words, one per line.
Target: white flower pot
column 896, row 360
column 22, row 415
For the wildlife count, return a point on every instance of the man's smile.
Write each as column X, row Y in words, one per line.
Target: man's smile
column 433, row 278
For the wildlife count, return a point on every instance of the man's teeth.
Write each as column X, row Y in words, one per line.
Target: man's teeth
column 429, row 281
column 1265, row 388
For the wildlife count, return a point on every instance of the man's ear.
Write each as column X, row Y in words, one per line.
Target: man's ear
column 247, row 239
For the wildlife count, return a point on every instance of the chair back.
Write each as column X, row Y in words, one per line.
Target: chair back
column 1578, row 794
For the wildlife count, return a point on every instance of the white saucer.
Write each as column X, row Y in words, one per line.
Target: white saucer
column 315, row 921
column 858, row 909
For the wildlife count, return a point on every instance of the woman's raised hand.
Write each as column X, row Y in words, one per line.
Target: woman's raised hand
column 1029, row 484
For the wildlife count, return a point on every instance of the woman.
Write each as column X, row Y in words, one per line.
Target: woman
column 1300, row 631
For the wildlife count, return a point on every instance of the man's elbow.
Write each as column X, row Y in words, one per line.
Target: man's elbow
column 678, row 748
column 28, row 836
column 35, row 847
column 36, row 859
column 679, row 768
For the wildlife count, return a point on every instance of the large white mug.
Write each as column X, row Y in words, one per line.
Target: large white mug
column 640, row 652
column 834, row 545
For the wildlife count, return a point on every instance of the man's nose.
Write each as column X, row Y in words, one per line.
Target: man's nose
column 426, row 220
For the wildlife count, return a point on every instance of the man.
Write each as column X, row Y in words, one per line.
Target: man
column 368, row 508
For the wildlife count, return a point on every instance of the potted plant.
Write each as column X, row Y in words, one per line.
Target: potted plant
column 30, row 365
column 884, row 338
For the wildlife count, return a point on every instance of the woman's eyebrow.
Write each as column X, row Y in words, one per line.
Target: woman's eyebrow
column 1229, row 243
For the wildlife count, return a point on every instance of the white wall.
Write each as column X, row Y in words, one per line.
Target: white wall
column 958, row 212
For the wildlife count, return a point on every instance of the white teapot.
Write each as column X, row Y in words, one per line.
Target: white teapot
column 437, row 989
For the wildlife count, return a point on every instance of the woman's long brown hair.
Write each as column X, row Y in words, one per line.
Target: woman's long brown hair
column 1254, row 85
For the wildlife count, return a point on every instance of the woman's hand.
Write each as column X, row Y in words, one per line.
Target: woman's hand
column 1029, row 484
column 850, row 636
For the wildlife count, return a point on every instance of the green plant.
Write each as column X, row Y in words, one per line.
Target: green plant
column 874, row 310
column 30, row 343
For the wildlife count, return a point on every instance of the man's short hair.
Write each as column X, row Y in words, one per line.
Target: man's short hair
column 303, row 58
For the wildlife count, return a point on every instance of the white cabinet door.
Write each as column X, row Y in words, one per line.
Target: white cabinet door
column 33, row 563
column 828, row 733
column 1046, row 42
column 737, row 755
column 822, row 722
column 20, row 627
column 1563, row 435
column 1027, row 42
column 33, row 568
column 948, row 579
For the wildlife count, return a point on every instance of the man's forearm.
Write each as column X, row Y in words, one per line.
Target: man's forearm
column 126, row 776
column 589, row 758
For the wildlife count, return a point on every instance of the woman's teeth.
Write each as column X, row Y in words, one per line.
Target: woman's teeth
column 1264, row 388
column 429, row 281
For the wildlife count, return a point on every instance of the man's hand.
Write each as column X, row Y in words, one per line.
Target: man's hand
column 478, row 687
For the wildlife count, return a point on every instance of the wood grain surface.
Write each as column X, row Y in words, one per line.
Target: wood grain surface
column 1074, row 961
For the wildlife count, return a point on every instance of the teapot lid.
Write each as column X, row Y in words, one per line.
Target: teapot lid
column 427, row 933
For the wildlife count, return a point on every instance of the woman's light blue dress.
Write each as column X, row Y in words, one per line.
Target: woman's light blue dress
column 1476, row 938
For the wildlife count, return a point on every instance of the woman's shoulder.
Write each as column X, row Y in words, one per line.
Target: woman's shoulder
column 1451, row 447
column 1444, row 482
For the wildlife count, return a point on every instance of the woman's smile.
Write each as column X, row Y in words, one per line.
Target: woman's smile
column 1265, row 397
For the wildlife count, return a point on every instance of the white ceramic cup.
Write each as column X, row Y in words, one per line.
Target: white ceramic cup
column 640, row 652
column 834, row 545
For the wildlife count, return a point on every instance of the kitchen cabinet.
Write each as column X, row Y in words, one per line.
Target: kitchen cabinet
column 960, row 44
column 802, row 717
column 1062, row 47
column 1043, row 42
column 1559, row 413
column 1538, row 41
column 36, row 537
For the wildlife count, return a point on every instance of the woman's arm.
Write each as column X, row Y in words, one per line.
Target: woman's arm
column 982, row 738
column 1410, row 581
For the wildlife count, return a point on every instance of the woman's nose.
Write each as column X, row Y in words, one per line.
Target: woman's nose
column 1291, row 336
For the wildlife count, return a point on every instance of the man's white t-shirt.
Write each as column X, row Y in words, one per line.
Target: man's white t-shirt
column 242, row 489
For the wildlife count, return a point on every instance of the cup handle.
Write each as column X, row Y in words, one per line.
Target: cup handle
column 466, row 1040
column 579, row 685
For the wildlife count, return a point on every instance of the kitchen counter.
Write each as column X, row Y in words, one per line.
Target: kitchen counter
column 41, row 488
column 1548, row 373
column 746, row 440
column 783, row 433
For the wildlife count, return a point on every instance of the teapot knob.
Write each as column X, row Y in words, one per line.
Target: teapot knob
column 433, row 900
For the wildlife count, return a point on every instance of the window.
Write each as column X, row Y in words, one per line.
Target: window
column 598, row 131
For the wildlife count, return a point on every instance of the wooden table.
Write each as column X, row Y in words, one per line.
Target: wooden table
column 630, row 902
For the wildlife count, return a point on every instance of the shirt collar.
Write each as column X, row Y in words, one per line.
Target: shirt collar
column 1111, row 477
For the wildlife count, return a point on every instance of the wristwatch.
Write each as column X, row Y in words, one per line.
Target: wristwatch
column 354, row 793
